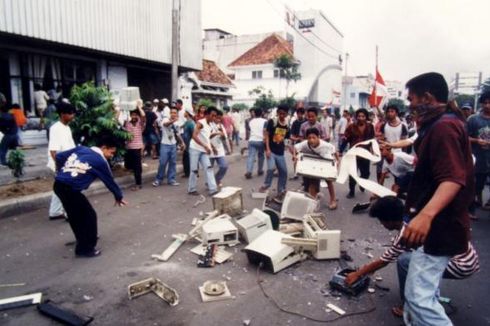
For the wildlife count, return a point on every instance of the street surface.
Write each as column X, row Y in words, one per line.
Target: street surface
column 33, row 251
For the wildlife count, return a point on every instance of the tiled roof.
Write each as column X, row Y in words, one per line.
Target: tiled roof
column 265, row 52
column 211, row 73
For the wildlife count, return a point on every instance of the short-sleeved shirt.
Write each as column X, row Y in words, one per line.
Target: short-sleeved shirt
column 296, row 127
column 168, row 132
column 60, row 140
column 278, row 133
column 354, row 135
column 460, row 266
column 137, row 131
column 204, row 136
column 479, row 127
column 324, row 149
column 217, row 141
column 228, row 123
column 307, row 125
column 7, row 124
column 327, row 123
column 401, row 165
column 40, row 99
column 443, row 154
column 393, row 134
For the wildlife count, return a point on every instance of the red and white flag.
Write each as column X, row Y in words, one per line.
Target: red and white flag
column 379, row 92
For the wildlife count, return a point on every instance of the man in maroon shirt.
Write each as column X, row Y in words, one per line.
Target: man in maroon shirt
column 438, row 197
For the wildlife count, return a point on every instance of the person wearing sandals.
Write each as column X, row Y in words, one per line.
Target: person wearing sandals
column 389, row 211
column 132, row 159
column 314, row 145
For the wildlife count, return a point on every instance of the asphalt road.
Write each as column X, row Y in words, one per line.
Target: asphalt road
column 33, row 251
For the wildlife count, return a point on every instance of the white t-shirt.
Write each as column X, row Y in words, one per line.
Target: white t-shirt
column 324, row 149
column 168, row 132
column 237, row 120
column 342, row 125
column 257, row 126
column 60, row 139
column 204, row 136
column 393, row 134
column 402, row 163
column 217, row 141
column 327, row 123
column 40, row 98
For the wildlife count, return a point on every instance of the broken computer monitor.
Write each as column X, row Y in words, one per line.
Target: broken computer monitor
column 268, row 250
column 229, row 201
column 296, row 204
column 314, row 166
column 253, row 225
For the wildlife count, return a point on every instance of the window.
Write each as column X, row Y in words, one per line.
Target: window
column 279, row 73
column 257, row 74
column 352, row 95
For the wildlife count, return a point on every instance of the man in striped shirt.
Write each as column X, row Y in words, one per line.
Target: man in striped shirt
column 389, row 211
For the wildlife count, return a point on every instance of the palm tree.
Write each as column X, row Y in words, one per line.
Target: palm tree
column 288, row 69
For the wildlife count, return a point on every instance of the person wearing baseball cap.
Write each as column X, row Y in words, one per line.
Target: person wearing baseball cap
column 467, row 110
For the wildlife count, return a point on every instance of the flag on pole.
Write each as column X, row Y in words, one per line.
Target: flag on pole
column 379, row 92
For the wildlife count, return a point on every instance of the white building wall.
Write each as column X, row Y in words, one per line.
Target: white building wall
column 140, row 29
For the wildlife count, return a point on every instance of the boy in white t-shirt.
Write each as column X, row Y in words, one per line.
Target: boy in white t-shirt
column 218, row 140
column 314, row 145
column 256, row 145
column 401, row 165
column 60, row 140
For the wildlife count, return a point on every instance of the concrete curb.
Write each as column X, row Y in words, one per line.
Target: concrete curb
column 25, row 204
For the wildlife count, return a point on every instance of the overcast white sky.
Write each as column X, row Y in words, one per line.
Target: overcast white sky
column 413, row 36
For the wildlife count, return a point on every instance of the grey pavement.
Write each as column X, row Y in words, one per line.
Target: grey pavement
column 33, row 250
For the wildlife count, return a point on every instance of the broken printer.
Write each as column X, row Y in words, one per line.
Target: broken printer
column 338, row 282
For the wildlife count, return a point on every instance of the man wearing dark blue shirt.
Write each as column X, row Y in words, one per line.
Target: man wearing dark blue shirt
column 76, row 169
column 8, row 128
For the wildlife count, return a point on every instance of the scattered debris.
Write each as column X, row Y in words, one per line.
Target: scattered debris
column 335, row 308
column 63, row 315
column 11, row 285
column 20, row 301
column 156, row 286
column 371, row 290
column 179, row 240
column 207, row 259
column 200, row 201
column 382, row 288
column 378, row 278
column 220, row 255
column 338, row 282
column 214, row 291
column 87, row 297
column 229, row 201
column 345, row 256
column 246, row 322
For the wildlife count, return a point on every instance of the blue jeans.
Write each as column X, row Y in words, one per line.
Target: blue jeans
column 222, row 167
column 197, row 157
column 255, row 148
column 168, row 155
column 279, row 162
column 421, row 290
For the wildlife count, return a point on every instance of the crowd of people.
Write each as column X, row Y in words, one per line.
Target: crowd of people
column 438, row 156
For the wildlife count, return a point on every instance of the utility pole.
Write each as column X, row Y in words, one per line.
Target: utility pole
column 175, row 46
column 346, row 62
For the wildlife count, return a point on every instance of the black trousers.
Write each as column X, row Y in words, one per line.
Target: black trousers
column 186, row 162
column 132, row 161
column 81, row 215
column 363, row 166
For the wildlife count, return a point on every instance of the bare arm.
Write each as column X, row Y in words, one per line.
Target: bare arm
column 365, row 270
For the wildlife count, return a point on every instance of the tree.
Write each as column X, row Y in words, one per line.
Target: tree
column 462, row 99
column 288, row 69
column 240, row 106
column 95, row 116
column 16, row 163
column 206, row 102
column 264, row 101
column 399, row 103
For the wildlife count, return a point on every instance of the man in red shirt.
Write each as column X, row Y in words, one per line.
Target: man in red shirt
column 438, row 198
column 228, row 123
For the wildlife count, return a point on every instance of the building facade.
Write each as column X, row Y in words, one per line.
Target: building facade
column 117, row 43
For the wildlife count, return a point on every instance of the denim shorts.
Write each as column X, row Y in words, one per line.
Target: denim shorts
column 151, row 139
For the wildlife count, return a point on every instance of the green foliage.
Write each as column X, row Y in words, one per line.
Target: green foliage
column 289, row 101
column 288, row 69
column 399, row 103
column 462, row 99
column 240, row 106
column 16, row 163
column 264, row 101
column 351, row 110
column 95, row 116
column 206, row 102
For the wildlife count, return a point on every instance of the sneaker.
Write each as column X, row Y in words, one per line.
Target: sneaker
column 213, row 193
column 156, row 183
column 90, row 254
column 248, row 175
column 58, row 217
column 175, row 183
column 193, row 193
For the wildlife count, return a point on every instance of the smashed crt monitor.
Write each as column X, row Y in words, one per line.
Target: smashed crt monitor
column 254, row 224
column 296, row 204
column 220, row 230
column 229, row 201
column 314, row 166
column 268, row 250
column 328, row 240
column 128, row 97
column 338, row 282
